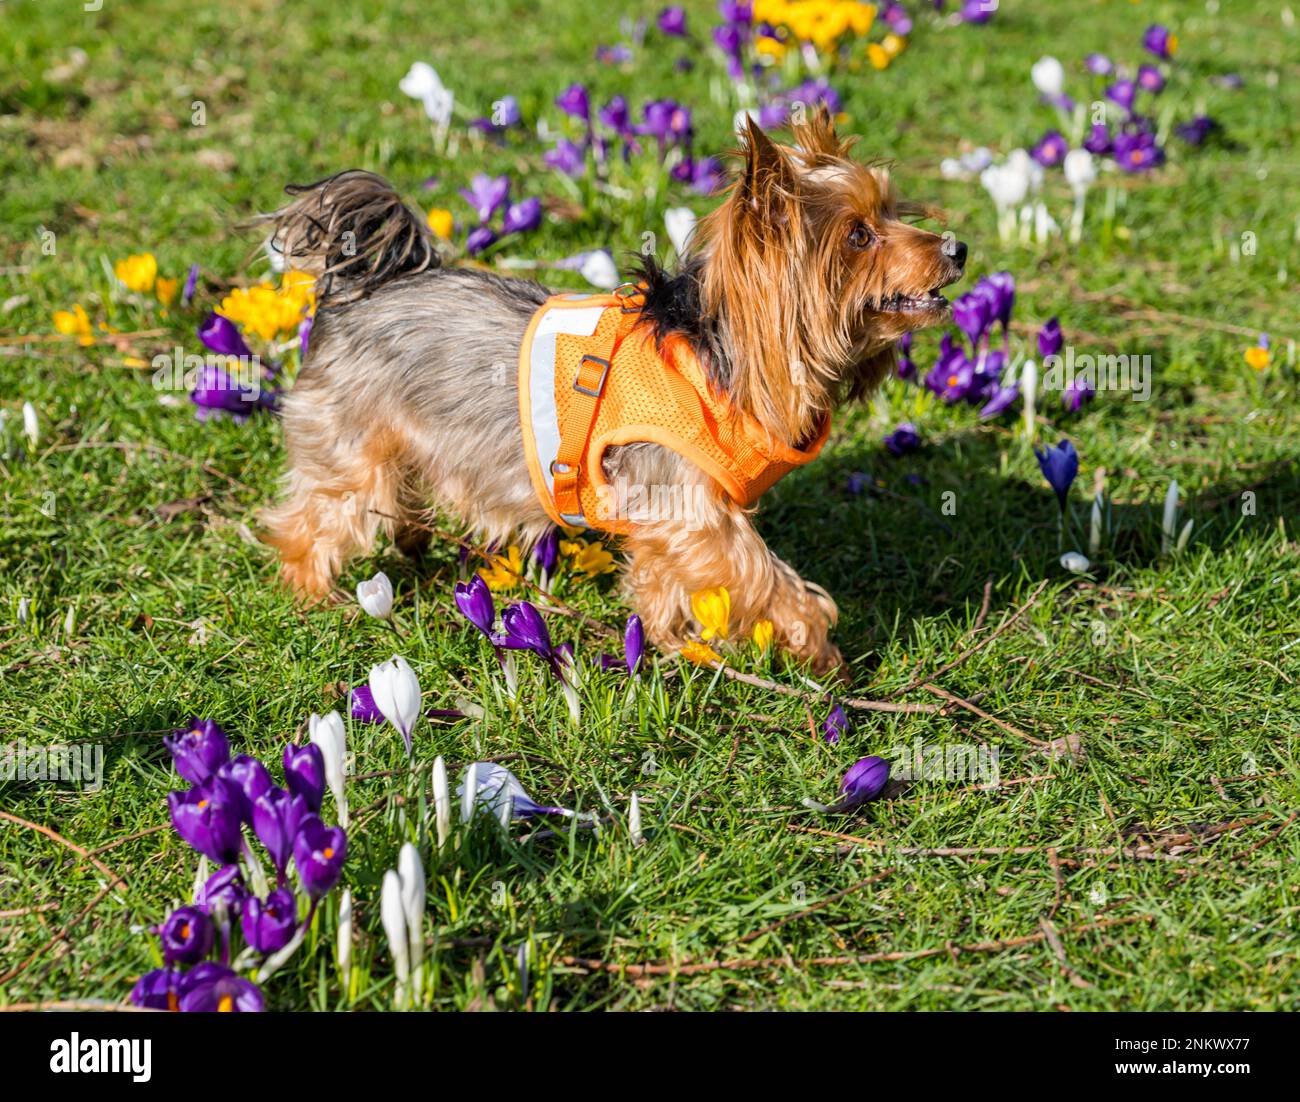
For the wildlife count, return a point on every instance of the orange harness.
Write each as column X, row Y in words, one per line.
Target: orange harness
column 589, row 380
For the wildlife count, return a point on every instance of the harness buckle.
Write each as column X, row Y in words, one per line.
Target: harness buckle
column 596, row 390
column 630, row 292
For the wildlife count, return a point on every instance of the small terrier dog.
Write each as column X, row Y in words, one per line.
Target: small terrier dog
column 796, row 289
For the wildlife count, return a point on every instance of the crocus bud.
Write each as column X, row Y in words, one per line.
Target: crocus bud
column 441, row 801
column 633, row 643
column 865, row 780
column 277, row 815
column 1048, row 76
column 1075, row 562
column 634, row 822
column 376, row 596
column 198, row 750
column 1169, row 523
column 31, row 426
column 326, row 732
column 680, row 222
column 304, row 772
column 345, row 936
column 393, row 917
column 410, row 871
column 319, row 852
column 397, row 694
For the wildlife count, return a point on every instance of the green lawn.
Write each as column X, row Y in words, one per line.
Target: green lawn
column 1159, row 860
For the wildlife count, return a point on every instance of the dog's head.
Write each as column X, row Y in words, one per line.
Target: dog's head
column 815, row 270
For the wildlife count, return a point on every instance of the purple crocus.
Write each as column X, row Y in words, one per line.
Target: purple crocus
column 224, row 888
column 633, row 643
column 902, row 440
column 304, row 772
column 524, row 629
column 480, row 238
column 707, row 175
column 836, row 725
column 575, row 101
column 1159, row 41
column 217, row 393
column 566, row 157
column 672, row 21
column 1098, row 139
column 976, row 11
column 546, row 553
column 221, row 335
column 1076, row 394
column 186, row 935
column 213, row 988
column 523, row 216
column 1002, row 399
column 614, row 55
column 361, row 705
column 191, row 284
column 474, row 599
column 304, row 335
column 865, row 780
column 268, row 924
column 1060, row 465
column 198, row 750
column 1122, row 92
column 1137, row 151
column 1198, row 130
column 249, row 778
column 1099, row 65
column 971, row 313
column 208, row 818
column 158, row 990
column 1150, row 79
column 617, row 116
column 277, row 818
column 1051, row 149
column 1001, row 289
column 895, row 15
column 1050, row 338
column 319, row 852
column 486, row 194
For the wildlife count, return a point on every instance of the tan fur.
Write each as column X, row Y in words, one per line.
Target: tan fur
column 408, row 396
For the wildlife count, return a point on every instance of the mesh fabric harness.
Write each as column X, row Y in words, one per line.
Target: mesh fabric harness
column 591, row 378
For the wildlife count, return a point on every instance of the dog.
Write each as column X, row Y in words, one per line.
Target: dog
column 791, row 300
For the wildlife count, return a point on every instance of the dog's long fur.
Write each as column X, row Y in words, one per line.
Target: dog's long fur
column 408, row 396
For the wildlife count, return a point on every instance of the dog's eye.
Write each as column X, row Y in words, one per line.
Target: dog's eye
column 860, row 236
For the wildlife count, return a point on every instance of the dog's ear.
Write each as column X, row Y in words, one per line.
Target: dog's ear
column 766, row 191
column 816, row 135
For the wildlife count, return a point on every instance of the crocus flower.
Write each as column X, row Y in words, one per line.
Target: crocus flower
column 1158, row 41
column 217, row 393
column 1098, row 139
column 186, row 935
column 326, row 733
column 1051, row 149
column 523, row 216
column 633, row 643
column 1137, row 152
column 191, row 283
column 614, row 55
column 198, row 750
column 1123, row 93
column 361, row 705
column 616, row 116
column 976, row 11
column 1198, row 130
column 268, row 924
column 546, row 553
column 1099, row 64
column 1076, row 394
column 835, row 725
column 277, row 817
column 208, row 818
column 1002, row 399
column 318, row 853
column 480, row 238
column 1259, row 355
column 1150, row 79
column 375, row 596
column 1048, row 76
column 1050, row 338
column 902, row 440
column 441, row 801
column 304, row 772
column 224, row 888
column 410, row 872
column 486, row 786
column 158, row 990
column 672, row 21
column 707, row 175
column 971, row 313
column 250, row 778
column 1001, row 287
column 474, row 599
column 566, row 157
column 1059, row 465
column 304, row 335
column 865, row 780
column 392, row 917
column 486, row 194
column 396, row 692
column 522, row 628
column 596, row 266
column 575, row 101
column 344, row 936
column 222, row 336
column 210, row 987
column 712, row 608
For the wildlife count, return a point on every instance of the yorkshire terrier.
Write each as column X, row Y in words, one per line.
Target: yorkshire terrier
column 794, row 293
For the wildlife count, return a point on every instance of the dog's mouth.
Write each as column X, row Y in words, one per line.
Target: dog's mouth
column 931, row 302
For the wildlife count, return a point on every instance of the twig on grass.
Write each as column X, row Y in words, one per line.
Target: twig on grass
column 954, row 699
column 114, row 880
column 756, row 934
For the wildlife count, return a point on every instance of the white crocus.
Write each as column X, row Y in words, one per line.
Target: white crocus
column 376, row 596
column 1048, row 76
column 345, row 936
column 468, row 792
column 1028, row 392
column 423, row 83
column 410, row 871
column 1094, row 527
column 24, row 609
column 680, row 222
column 1169, row 523
column 1075, row 562
column 441, row 801
column 634, row 822
column 489, row 788
column 599, row 270
column 327, row 733
column 1080, row 171
column 31, row 426
column 393, row 917
column 396, row 690
column 1008, row 186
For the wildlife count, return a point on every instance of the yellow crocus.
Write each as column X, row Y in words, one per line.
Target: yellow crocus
column 893, row 45
column 861, row 17
column 166, row 290
column 75, row 323
column 700, row 653
column 712, row 608
column 877, row 56
column 137, row 272
column 442, row 223
column 770, row 47
column 588, row 558
column 505, row 571
column 1257, row 357
column 763, row 634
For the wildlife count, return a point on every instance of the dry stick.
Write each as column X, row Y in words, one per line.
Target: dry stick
column 60, row 936
column 88, row 1004
column 113, row 878
column 816, row 906
column 690, row 969
column 1049, row 932
column 129, row 838
column 1055, row 862
column 21, row 912
column 951, row 698
column 804, row 694
column 1265, row 841
column 1033, row 597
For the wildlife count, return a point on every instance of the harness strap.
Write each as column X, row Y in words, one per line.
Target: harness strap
column 589, row 385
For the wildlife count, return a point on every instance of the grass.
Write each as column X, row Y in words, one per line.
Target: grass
column 1176, row 672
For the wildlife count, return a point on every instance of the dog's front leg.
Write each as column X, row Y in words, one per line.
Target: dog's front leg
column 714, row 543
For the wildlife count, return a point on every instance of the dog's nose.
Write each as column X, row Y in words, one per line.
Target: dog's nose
column 959, row 255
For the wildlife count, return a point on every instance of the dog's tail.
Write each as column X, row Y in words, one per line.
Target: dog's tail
column 352, row 232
